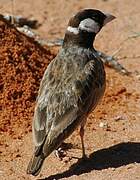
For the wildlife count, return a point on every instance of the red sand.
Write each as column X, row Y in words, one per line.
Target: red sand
column 22, row 66
column 113, row 151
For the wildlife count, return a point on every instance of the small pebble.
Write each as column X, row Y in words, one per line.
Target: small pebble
column 118, row 118
column 103, row 125
column 113, row 169
column 138, row 77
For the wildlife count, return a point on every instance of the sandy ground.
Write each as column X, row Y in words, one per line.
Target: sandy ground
column 114, row 152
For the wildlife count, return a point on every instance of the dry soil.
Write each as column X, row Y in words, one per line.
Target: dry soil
column 114, row 149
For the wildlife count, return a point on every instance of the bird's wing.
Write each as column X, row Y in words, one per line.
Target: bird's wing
column 59, row 106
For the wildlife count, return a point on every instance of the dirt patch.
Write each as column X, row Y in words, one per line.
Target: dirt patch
column 23, row 63
column 112, row 136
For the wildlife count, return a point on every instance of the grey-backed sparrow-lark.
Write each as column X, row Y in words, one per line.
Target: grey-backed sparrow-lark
column 71, row 87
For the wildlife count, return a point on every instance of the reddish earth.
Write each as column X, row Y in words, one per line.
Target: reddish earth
column 114, row 151
column 22, row 67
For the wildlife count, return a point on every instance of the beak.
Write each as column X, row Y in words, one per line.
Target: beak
column 108, row 18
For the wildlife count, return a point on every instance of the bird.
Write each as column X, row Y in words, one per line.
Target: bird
column 71, row 87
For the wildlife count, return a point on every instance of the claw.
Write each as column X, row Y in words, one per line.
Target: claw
column 60, row 153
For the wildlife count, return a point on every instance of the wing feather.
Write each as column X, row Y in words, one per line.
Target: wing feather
column 65, row 97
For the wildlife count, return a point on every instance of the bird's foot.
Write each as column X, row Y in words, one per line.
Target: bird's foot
column 84, row 157
column 60, row 153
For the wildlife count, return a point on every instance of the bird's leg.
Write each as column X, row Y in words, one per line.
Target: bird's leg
column 82, row 139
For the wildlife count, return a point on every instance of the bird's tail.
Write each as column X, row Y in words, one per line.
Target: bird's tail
column 35, row 164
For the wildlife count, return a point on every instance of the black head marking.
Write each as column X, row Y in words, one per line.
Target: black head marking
column 83, row 27
column 94, row 14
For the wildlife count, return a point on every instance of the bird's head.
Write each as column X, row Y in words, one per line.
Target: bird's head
column 83, row 27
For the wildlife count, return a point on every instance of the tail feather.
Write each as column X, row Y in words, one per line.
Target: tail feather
column 35, row 165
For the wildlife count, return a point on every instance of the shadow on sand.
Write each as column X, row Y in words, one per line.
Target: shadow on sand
column 114, row 156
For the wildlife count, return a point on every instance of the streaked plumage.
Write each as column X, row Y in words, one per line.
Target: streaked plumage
column 70, row 88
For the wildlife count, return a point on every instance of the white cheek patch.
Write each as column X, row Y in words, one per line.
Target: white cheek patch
column 73, row 30
column 89, row 25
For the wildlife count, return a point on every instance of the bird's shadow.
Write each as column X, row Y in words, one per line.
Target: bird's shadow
column 112, row 157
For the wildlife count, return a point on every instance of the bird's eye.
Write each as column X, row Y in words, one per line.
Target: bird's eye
column 95, row 18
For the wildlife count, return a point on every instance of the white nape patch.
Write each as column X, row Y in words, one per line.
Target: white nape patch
column 73, row 30
column 89, row 25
